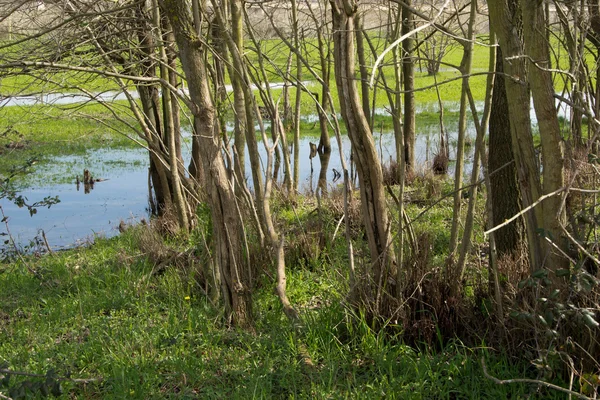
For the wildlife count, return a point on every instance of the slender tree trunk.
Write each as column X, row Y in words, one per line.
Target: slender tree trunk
column 478, row 160
column 408, row 78
column 170, row 133
column 370, row 175
column 240, row 69
column 237, row 35
column 226, row 218
column 465, row 70
column 362, row 67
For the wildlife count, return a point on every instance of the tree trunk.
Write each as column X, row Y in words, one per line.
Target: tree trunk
column 542, row 89
column 362, row 67
column 408, row 78
column 227, row 222
column 375, row 214
column 241, row 120
column 505, row 196
column 506, row 22
column 169, row 131
column 465, row 70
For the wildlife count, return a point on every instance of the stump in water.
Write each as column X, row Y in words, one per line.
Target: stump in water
column 87, row 177
column 313, row 150
column 88, row 181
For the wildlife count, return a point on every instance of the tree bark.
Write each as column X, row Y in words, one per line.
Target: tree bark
column 542, row 89
column 226, row 218
column 506, row 22
column 505, row 195
column 408, row 79
column 375, row 214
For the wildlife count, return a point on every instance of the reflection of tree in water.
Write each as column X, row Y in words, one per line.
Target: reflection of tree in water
column 324, row 157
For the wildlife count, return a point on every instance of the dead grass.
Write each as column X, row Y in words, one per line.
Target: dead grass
column 440, row 163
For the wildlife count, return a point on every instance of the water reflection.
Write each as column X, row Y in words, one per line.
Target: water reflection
column 123, row 193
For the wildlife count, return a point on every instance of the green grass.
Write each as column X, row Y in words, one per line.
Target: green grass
column 99, row 312
column 42, row 133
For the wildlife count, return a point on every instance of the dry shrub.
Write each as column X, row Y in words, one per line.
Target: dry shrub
column 151, row 243
column 306, row 242
column 166, row 224
column 150, row 240
column 425, row 186
column 334, row 203
column 440, row 163
column 429, row 315
column 390, row 173
column 547, row 318
column 432, row 314
column 513, row 268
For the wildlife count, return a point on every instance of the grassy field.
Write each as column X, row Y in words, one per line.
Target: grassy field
column 109, row 313
column 131, row 314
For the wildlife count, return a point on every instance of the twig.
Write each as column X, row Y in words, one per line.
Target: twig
column 523, row 211
column 12, row 240
column 533, row 381
column 558, row 249
column 401, row 39
column 46, row 242
column 5, row 397
column 337, row 228
column 579, row 246
column 77, row 380
column 411, row 232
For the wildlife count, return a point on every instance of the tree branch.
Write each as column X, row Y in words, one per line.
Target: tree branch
column 523, row 211
column 534, row 381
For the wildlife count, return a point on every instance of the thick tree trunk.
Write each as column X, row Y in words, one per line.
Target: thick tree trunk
column 506, row 22
column 505, row 195
column 540, row 78
column 226, row 219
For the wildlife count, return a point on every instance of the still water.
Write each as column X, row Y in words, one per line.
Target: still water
column 123, row 196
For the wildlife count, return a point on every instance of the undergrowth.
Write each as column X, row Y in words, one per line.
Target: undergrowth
column 109, row 313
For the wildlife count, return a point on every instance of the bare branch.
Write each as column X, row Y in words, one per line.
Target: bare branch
column 401, row 38
column 534, row 381
column 523, row 211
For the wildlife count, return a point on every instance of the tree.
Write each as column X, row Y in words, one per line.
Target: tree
column 505, row 196
column 373, row 202
column 505, row 20
column 228, row 229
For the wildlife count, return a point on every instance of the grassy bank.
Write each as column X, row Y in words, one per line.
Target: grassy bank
column 131, row 316
column 110, row 313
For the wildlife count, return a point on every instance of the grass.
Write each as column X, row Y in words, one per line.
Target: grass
column 103, row 312
column 42, row 133
column 100, row 312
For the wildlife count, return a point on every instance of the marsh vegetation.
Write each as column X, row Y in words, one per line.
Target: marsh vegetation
column 298, row 199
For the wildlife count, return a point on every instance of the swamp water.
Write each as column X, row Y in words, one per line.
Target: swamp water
column 123, row 195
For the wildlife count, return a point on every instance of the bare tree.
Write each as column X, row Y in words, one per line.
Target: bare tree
column 226, row 217
column 375, row 213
